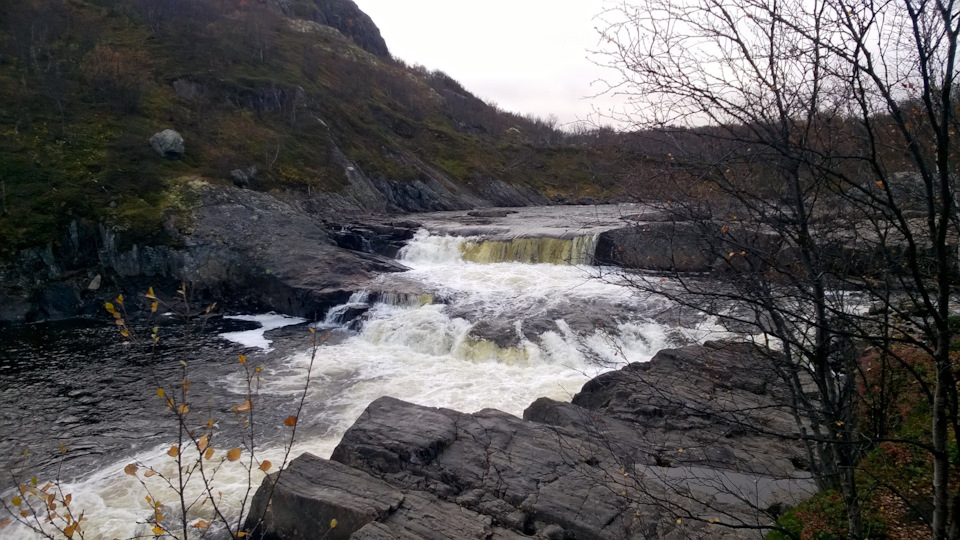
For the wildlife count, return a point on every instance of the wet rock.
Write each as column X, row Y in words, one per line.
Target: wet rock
column 384, row 239
column 491, row 213
column 662, row 246
column 423, row 515
column 311, row 493
column 702, row 429
column 168, row 143
column 60, row 301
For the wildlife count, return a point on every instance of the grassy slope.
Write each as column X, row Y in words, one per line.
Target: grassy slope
column 85, row 83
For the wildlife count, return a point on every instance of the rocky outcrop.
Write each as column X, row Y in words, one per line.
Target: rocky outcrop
column 345, row 16
column 697, row 443
column 240, row 248
column 661, row 246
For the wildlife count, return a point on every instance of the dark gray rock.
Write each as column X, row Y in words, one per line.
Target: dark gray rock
column 168, row 143
column 656, row 450
column 188, row 90
column 311, row 493
column 669, row 246
column 345, row 16
column 242, row 177
column 491, row 213
column 60, row 300
column 384, row 239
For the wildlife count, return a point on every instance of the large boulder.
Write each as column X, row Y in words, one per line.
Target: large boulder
column 168, row 143
column 662, row 246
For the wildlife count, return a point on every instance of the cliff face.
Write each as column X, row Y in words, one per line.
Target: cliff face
column 345, row 16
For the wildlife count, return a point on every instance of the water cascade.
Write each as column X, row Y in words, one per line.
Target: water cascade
column 576, row 250
column 447, row 333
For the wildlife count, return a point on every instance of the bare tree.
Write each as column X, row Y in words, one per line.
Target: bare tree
column 825, row 130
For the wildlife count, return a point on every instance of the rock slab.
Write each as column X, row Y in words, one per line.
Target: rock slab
column 666, row 449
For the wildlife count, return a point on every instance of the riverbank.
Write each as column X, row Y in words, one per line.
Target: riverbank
column 696, row 443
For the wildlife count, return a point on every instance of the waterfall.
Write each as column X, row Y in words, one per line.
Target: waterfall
column 429, row 248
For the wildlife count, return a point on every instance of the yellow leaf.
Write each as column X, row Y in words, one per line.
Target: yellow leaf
column 120, row 299
column 17, row 501
column 290, row 421
column 233, row 455
column 202, row 443
column 265, row 465
column 243, row 359
column 160, row 392
column 68, row 531
column 333, row 523
column 150, row 473
column 153, row 307
column 208, row 454
column 125, row 333
column 183, row 409
column 110, row 308
column 245, row 406
column 130, row 469
column 210, row 423
column 158, row 530
column 173, row 451
column 150, row 294
column 67, row 499
column 241, row 534
column 25, row 513
column 201, row 524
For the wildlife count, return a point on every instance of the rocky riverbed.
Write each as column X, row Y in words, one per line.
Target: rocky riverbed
column 696, row 443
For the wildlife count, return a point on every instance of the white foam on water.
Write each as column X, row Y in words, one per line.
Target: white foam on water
column 255, row 338
column 424, row 353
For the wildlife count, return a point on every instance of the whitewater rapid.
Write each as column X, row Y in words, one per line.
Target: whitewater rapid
column 557, row 326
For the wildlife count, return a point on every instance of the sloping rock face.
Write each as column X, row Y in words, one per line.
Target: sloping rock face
column 240, row 247
column 694, row 444
column 345, row 16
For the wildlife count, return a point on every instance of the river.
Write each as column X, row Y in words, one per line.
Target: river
column 481, row 319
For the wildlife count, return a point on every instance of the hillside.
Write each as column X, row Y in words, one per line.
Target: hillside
column 295, row 96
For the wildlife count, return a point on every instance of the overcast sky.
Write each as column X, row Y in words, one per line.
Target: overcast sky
column 527, row 56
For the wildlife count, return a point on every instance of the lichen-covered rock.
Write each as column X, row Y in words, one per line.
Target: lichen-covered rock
column 168, row 143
